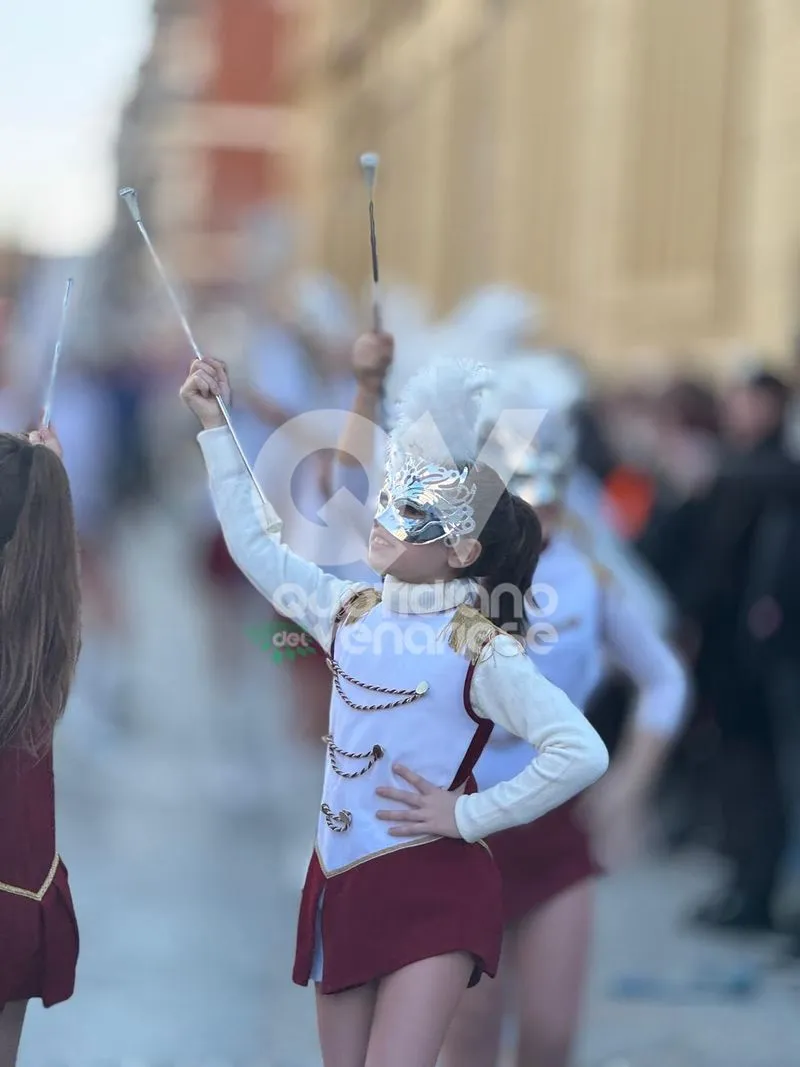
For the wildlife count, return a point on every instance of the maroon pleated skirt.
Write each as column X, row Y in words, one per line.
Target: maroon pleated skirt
column 38, row 931
column 39, row 944
column 391, row 911
column 542, row 859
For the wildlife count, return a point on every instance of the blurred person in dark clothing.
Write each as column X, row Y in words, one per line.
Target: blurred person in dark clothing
column 734, row 569
column 688, row 456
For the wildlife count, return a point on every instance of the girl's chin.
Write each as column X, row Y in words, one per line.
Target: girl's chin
column 382, row 558
column 380, row 561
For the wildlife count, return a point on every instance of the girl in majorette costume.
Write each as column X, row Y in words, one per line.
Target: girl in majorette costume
column 401, row 909
column 583, row 620
column 39, row 642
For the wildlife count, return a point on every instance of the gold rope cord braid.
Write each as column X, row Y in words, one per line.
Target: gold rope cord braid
column 375, row 753
column 408, row 696
column 39, row 895
column 338, row 823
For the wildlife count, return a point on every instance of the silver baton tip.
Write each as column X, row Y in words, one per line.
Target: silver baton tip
column 128, row 194
column 369, row 167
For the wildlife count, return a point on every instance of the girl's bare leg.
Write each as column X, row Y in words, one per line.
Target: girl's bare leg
column 343, row 1022
column 551, row 962
column 414, row 1009
column 473, row 1039
column 12, row 1016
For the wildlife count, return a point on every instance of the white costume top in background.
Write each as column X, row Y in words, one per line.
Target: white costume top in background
column 584, row 499
column 597, row 625
column 507, row 689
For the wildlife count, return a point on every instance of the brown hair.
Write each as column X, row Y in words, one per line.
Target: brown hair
column 39, row 592
column 510, row 536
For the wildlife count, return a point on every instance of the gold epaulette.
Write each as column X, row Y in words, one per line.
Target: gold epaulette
column 359, row 604
column 469, row 632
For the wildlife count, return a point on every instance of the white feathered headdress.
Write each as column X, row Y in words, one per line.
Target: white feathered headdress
column 527, row 417
column 438, row 413
column 427, row 494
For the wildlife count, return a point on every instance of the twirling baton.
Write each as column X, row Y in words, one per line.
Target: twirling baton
column 369, row 170
column 48, row 403
column 132, row 201
column 369, row 162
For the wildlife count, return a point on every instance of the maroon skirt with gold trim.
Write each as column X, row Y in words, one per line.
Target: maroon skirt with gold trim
column 39, row 944
column 400, row 907
column 38, row 931
column 542, row 859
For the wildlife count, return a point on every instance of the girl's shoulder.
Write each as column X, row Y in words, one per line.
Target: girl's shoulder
column 475, row 637
column 357, row 603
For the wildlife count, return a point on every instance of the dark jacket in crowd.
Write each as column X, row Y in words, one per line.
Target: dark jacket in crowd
column 731, row 560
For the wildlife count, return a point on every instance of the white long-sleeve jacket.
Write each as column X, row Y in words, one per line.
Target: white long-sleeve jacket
column 506, row 688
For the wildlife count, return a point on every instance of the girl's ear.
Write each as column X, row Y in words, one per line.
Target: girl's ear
column 463, row 553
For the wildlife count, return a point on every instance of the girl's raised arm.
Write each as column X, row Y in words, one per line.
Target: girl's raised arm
column 297, row 588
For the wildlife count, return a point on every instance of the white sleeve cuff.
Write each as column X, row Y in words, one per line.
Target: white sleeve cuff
column 220, row 452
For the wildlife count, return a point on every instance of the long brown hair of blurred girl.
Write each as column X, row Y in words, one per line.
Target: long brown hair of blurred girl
column 39, row 593
column 39, row 645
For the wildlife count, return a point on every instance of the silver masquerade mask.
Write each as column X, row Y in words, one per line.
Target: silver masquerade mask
column 541, row 479
column 427, row 494
column 422, row 502
column 537, row 470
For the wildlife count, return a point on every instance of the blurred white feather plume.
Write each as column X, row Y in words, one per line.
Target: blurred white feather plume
column 324, row 308
column 438, row 412
column 499, row 318
column 407, row 316
column 543, row 381
column 528, row 412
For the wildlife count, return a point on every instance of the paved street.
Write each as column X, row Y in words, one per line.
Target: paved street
column 187, row 886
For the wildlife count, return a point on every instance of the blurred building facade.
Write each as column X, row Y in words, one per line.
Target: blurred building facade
column 634, row 163
column 205, row 141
